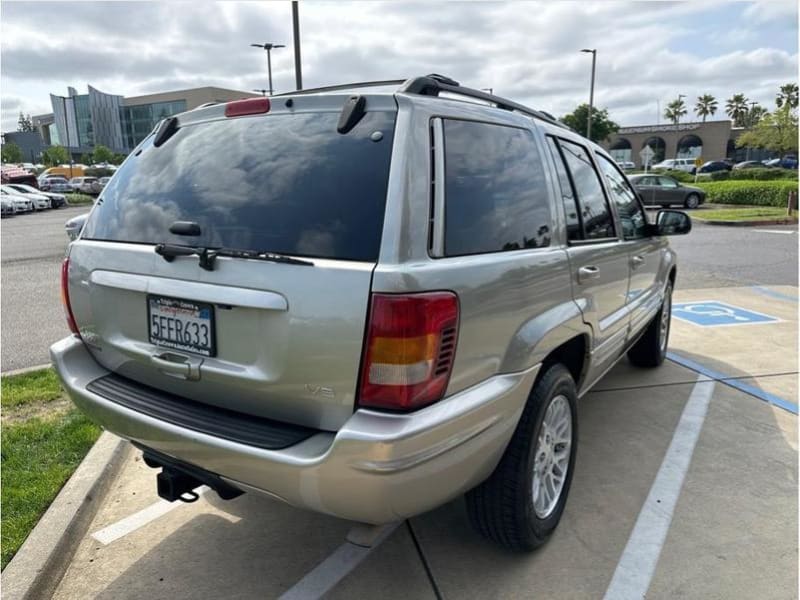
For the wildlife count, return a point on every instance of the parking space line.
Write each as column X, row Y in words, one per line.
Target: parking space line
column 734, row 383
column 137, row 520
column 773, row 294
column 783, row 231
column 638, row 562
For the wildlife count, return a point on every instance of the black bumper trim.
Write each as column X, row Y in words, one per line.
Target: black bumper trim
column 242, row 428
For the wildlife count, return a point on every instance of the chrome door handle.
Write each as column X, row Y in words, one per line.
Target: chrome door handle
column 637, row 261
column 177, row 365
column 587, row 273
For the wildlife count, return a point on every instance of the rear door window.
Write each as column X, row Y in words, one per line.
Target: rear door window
column 631, row 213
column 496, row 192
column 596, row 217
column 282, row 183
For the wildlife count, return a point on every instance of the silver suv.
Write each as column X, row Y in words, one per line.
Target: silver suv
column 364, row 301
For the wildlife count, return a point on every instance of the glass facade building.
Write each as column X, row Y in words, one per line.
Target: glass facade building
column 139, row 120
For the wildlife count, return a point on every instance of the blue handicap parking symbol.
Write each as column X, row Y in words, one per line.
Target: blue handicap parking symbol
column 712, row 313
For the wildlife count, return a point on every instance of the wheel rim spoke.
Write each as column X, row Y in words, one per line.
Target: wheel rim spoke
column 551, row 462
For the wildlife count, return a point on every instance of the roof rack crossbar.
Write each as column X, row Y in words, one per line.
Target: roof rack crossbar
column 344, row 86
column 432, row 85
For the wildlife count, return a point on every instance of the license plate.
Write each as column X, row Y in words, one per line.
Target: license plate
column 181, row 324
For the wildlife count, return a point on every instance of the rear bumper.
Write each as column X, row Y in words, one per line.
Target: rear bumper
column 377, row 468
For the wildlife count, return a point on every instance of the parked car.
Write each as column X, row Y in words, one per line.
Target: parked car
column 21, row 203
column 75, row 225
column 748, row 164
column 676, row 164
column 666, row 191
column 56, row 200
column 344, row 340
column 84, row 185
column 787, row 162
column 39, row 201
column 101, row 183
column 54, row 183
column 626, row 165
column 7, row 208
column 713, row 166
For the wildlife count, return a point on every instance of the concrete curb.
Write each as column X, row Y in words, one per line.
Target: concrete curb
column 37, row 568
column 755, row 223
column 26, row 370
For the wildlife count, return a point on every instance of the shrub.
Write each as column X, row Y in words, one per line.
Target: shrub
column 681, row 176
column 720, row 175
column 757, row 193
column 98, row 172
column 764, row 174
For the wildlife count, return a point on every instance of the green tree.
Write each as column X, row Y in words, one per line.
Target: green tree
column 102, row 154
column 675, row 110
column 787, row 95
column 11, row 153
column 737, row 108
column 117, row 159
column 86, row 159
column 55, row 155
column 602, row 126
column 24, row 123
column 706, row 106
column 775, row 131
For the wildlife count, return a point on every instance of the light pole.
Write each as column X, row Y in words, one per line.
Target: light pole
column 750, row 124
column 593, row 52
column 66, row 128
column 490, row 90
column 298, row 72
column 678, row 119
column 269, row 47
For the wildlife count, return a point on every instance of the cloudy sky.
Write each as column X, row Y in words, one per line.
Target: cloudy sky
column 647, row 52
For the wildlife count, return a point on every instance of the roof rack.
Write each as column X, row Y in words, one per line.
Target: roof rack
column 433, row 84
column 344, row 86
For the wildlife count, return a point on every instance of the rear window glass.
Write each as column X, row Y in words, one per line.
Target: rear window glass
column 496, row 193
column 288, row 184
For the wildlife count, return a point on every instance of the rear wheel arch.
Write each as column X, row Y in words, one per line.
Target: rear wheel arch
column 573, row 354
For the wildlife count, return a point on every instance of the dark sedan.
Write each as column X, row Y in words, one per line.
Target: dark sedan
column 665, row 191
column 715, row 165
column 749, row 164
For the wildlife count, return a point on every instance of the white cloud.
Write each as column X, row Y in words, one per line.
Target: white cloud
column 529, row 51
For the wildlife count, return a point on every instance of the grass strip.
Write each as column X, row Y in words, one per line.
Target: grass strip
column 37, row 386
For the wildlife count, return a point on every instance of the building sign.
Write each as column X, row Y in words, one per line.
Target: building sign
column 658, row 128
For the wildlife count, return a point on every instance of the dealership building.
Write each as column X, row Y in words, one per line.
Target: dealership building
column 80, row 122
column 712, row 140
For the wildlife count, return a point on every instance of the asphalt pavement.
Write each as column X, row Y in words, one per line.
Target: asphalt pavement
column 33, row 247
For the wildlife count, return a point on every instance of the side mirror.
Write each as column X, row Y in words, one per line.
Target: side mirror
column 672, row 222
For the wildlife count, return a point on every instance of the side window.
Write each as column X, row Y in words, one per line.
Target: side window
column 594, row 210
column 667, row 182
column 574, row 231
column 631, row 213
column 496, row 194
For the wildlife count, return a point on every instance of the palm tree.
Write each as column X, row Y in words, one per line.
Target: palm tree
column 755, row 114
column 736, row 108
column 706, row 106
column 675, row 110
column 787, row 95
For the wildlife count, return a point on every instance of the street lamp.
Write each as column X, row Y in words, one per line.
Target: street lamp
column 490, row 90
column 593, row 52
column 66, row 128
column 269, row 47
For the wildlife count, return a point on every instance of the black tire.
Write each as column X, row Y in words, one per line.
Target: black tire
column 692, row 201
column 651, row 349
column 502, row 507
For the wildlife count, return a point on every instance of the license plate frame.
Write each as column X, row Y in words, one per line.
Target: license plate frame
column 184, row 311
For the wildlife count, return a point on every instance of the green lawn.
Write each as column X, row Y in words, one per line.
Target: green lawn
column 742, row 214
column 42, row 444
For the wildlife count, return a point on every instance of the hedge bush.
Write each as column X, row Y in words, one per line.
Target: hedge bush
column 681, row 176
column 98, row 172
column 764, row 174
column 756, row 193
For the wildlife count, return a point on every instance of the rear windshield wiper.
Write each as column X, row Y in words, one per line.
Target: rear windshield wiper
column 208, row 255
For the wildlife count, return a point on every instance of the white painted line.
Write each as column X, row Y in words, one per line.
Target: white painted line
column 783, row 231
column 639, row 559
column 137, row 520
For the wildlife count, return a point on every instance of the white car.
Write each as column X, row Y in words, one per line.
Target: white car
column 85, row 185
column 7, row 207
column 626, row 165
column 40, row 202
column 677, row 164
column 56, row 200
column 21, row 203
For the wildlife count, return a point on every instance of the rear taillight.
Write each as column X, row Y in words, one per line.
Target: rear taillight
column 65, row 297
column 248, row 106
column 409, row 350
